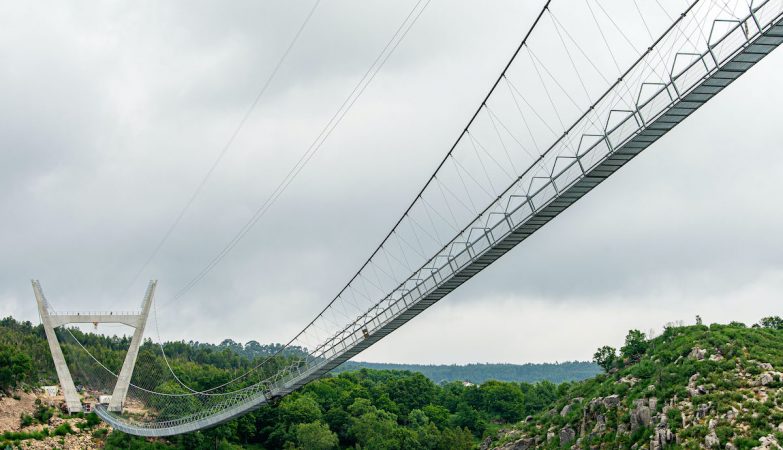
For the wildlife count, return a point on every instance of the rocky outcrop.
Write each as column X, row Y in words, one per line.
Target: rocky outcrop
column 662, row 436
column 611, row 401
column 703, row 410
column 711, row 440
column 768, row 442
column 741, row 392
column 697, row 353
column 767, row 378
column 630, row 380
column 642, row 413
column 765, row 366
column 693, row 389
column 567, row 435
column 521, row 444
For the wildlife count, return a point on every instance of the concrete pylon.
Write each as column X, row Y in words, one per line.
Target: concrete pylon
column 123, row 380
column 52, row 320
column 72, row 400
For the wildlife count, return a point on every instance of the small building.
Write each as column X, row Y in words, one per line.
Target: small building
column 104, row 399
column 50, row 391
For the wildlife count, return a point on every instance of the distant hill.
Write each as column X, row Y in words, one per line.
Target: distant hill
column 475, row 373
column 479, row 373
column 717, row 386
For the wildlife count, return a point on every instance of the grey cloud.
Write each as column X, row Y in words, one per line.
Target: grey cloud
column 111, row 117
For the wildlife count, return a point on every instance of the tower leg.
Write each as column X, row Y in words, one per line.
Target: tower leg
column 123, row 380
column 72, row 400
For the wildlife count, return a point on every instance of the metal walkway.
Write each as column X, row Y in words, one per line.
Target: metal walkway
column 527, row 205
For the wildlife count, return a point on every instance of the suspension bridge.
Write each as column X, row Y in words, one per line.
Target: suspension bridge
column 591, row 85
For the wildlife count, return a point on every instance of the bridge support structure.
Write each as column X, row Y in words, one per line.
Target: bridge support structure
column 51, row 320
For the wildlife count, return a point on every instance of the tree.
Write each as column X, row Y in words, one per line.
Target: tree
column 540, row 395
column 300, row 409
column 437, row 414
column 456, row 439
column 373, row 427
column 774, row 322
column 467, row 417
column 635, row 345
column 315, row 436
column 14, row 367
column 503, row 401
column 605, row 357
column 410, row 392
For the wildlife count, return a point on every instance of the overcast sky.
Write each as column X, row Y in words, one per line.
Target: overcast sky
column 111, row 114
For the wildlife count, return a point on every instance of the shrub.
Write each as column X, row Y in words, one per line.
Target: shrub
column 675, row 419
column 90, row 421
column 63, row 429
column 43, row 413
column 724, row 433
column 26, row 420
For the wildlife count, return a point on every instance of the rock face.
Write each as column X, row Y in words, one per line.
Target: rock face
column 600, row 424
column 567, row 435
column 703, row 410
column 566, row 409
column 765, row 366
column 768, row 442
column 697, row 353
column 522, row 444
column 629, row 380
column 711, row 440
column 662, row 437
column 611, row 401
column 693, row 389
column 765, row 379
column 641, row 414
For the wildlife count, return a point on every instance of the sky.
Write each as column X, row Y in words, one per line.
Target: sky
column 112, row 114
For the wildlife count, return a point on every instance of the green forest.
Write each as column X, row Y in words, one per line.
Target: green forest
column 364, row 408
column 713, row 386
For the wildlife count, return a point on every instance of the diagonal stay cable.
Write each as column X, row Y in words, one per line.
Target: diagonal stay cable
column 357, row 91
column 224, row 149
column 426, row 184
column 410, row 207
column 331, row 125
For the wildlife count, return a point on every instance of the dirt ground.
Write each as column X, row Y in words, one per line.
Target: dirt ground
column 11, row 409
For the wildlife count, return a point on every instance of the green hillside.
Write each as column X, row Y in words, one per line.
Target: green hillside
column 716, row 386
column 479, row 373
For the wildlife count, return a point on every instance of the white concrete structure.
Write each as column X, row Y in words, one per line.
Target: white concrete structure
column 52, row 319
column 51, row 391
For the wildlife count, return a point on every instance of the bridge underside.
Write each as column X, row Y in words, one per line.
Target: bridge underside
column 683, row 98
